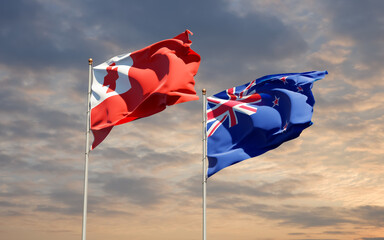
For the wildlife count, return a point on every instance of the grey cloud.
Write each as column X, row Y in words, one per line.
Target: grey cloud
column 41, row 34
column 58, row 36
column 54, row 168
column 317, row 239
column 27, row 120
column 9, row 209
column 360, row 20
column 370, row 214
column 283, row 189
column 216, row 28
column 5, row 160
column 14, row 101
column 106, row 212
column 316, row 216
column 143, row 157
column 117, row 153
column 9, row 204
column 143, row 191
column 18, row 190
column 68, row 210
column 227, row 192
column 338, row 232
column 11, row 213
column 192, row 186
column 363, row 22
column 296, row 234
column 68, row 197
column 230, row 196
column 298, row 215
column 24, row 163
column 68, row 202
column 24, row 186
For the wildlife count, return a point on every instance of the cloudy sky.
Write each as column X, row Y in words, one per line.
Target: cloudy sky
column 145, row 178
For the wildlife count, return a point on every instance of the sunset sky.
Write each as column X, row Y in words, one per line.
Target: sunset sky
column 145, row 178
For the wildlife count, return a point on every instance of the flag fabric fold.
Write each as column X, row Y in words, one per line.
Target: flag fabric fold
column 249, row 120
column 139, row 84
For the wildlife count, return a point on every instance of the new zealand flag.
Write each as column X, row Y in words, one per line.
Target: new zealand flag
column 251, row 119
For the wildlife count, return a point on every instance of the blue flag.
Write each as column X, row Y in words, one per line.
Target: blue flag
column 251, row 119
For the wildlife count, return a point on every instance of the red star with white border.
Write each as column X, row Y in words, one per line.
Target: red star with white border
column 276, row 102
column 284, row 80
column 299, row 89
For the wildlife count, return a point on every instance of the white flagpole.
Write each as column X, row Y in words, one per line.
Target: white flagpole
column 84, row 231
column 204, row 165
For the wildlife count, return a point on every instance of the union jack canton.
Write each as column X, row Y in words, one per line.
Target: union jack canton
column 224, row 108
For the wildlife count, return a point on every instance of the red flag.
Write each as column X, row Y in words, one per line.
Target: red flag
column 142, row 83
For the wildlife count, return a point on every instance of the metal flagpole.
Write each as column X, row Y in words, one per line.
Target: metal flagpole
column 204, row 165
column 84, row 231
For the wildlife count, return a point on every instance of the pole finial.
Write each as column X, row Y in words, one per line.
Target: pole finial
column 90, row 61
column 204, row 91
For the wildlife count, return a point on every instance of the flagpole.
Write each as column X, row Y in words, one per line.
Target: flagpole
column 84, row 231
column 204, row 165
